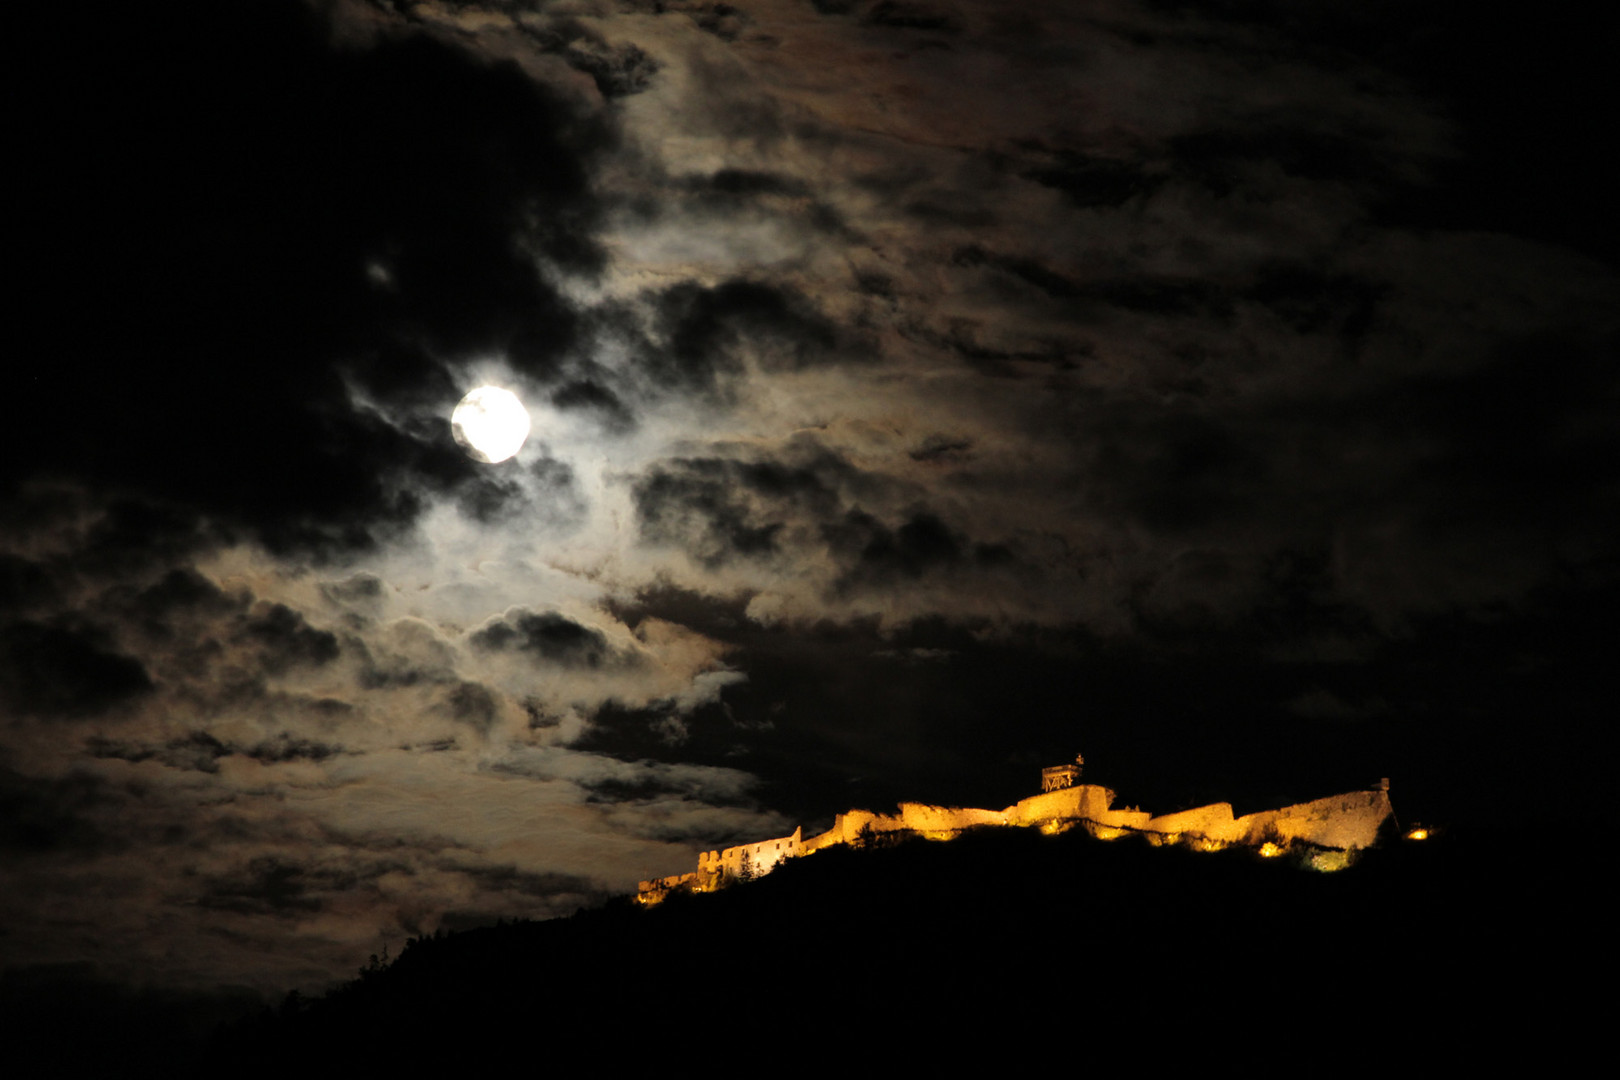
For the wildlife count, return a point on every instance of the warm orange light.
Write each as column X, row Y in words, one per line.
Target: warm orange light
column 1299, row 829
column 1329, row 861
column 1418, row 833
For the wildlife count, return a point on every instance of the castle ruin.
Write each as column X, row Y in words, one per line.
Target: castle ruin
column 1330, row 830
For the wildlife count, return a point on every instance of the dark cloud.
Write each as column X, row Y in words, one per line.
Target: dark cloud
column 700, row 514
column 718, row 509
column 24, row 584
column 546, row 635
column 473, row 704
column 910, row 16
column 1219, row 159
column 1152, row 295
column 1518, row 438
column 1522, row 158
column 1089, row 180
column 746, row 183
column 169, row 608
column 560, row 505
column 130, row 537
column 284, row 639
column 197, row 752
column 548, row 498
column 200, row 751
column 875, row 284
column 54, row 815
column 56, row 671
column 595, row 399
column 726, row 197
column 1182, row 470
column 400, row 663
column 183, row 589
column 271, row 215
column 942, row 449
column 266, row 886
column 876, row 556
column 1506, row 455
column 490, row 498
column 618, row 70
column 540, row 717
column 941, row 208
column 288, row 747
column 437, row 746
column 1030, row 271
column 647, row 782
column 511, row 879
column 705, row 334
column 722, row 20
column 359, row 589
column 1311, row 300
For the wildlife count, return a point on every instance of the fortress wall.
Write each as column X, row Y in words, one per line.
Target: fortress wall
column 878, row 823
column 847, row 827
column 1213, row 822
column 654, row 891
column 1081, row 801
column 851, row 822
column 922, row 817
column 1338, row 821
column 761, row 857
column 917, row 817
column 834, row 835
column 1109, row 820
column 1112, row 824
column 664, row 884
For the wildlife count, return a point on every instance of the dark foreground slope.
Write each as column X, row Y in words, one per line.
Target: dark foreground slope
column 1009, row 940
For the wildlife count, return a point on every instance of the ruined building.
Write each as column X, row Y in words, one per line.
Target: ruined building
column 1327, row 831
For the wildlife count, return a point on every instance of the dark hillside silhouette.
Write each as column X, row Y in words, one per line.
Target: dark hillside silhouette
column 1005, row 935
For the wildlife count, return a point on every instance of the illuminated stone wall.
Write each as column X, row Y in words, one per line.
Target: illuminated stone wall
column 923, row 818
column 1088, row 802
column 1213, row 823
column 652, row 892
column 1338, row 821
column 1346, row 822
column 752, row 860
column 849, row 827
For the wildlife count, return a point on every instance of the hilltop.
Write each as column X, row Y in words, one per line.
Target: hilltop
column 1002, row 934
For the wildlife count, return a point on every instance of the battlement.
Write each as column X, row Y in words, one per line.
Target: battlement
column 1333, row 828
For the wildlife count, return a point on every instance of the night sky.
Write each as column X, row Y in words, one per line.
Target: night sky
column 923, row 392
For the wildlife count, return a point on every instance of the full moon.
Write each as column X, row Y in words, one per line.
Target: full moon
column 490, row 424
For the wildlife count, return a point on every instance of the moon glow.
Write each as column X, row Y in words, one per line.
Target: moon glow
column 490, row 424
